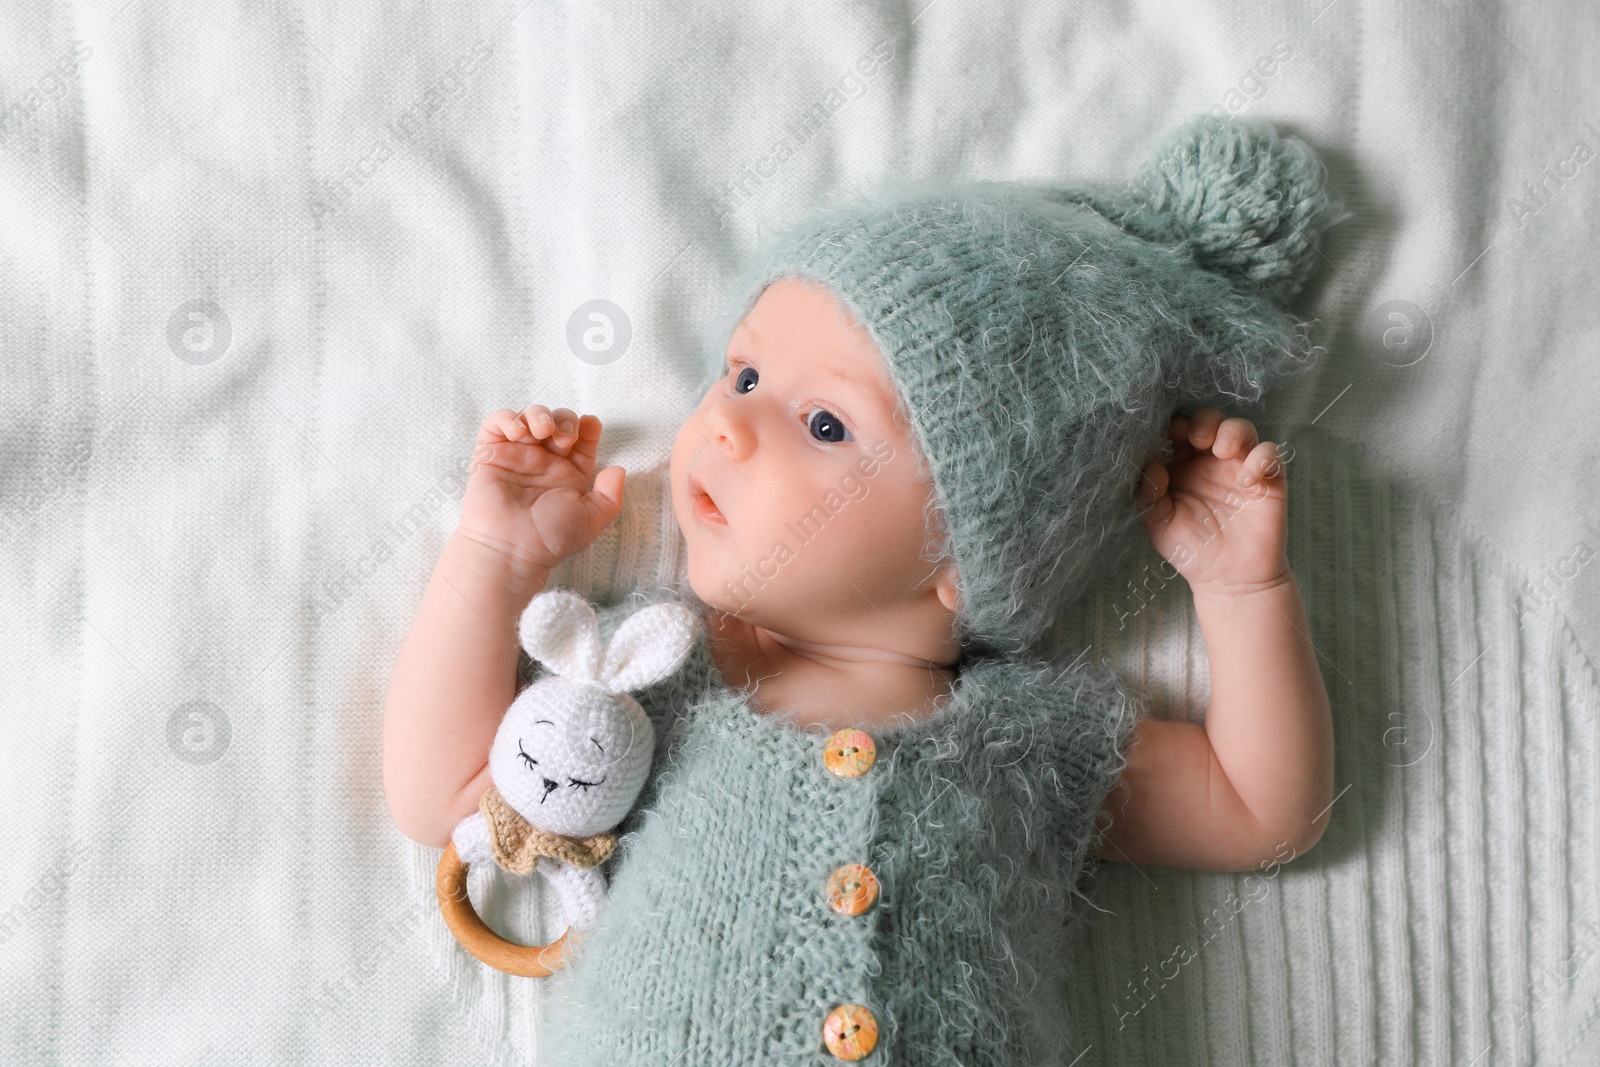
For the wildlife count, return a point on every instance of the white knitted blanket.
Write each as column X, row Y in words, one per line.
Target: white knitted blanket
column 264, row 268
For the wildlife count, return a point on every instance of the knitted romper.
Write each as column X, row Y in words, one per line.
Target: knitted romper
column 717, row 945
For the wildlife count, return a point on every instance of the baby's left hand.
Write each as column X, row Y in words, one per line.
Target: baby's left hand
column 1219, row 514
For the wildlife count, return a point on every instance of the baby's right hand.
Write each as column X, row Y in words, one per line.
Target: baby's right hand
column 532, row 493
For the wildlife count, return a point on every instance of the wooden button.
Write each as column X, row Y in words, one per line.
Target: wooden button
column 849, row 753
column 852, row 889
column 850, row 1032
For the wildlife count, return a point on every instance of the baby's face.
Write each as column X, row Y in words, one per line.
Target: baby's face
column 818, row 514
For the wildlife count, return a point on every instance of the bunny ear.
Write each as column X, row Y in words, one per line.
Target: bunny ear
column 650, row 645
column 559, row 629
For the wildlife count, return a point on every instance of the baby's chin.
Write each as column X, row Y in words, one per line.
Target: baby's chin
column 712, row 585
column 707, row 586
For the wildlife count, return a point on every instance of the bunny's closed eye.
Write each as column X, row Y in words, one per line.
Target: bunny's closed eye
column 576, row 782
column 531, row 761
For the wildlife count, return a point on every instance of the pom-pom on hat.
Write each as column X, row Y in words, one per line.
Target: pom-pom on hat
column 1041, row 337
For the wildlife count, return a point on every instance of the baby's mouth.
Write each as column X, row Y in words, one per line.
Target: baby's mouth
column 704, row 508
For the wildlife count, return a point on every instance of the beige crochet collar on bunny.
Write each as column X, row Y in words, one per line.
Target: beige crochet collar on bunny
column 518, row 843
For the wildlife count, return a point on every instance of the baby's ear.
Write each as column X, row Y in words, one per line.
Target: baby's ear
column 949, row 587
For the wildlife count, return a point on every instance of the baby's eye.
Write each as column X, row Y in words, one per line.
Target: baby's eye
column 829, row 424
column 578, row 781
column 832, row 429
column 531, row 761
column 745, row 374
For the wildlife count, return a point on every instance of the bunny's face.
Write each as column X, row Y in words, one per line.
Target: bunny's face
column 571, row 758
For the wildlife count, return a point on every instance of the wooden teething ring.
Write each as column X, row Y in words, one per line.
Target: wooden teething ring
column 526, row 961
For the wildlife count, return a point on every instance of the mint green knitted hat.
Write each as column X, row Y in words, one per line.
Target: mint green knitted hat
column 1041, row 337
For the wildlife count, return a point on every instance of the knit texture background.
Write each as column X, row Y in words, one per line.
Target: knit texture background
column 254, row 534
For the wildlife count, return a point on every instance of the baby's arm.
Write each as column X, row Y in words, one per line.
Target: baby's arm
column 528, row 506
column 452, row 682
column 1253, row 784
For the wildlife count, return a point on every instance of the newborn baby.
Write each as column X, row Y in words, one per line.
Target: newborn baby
column 859, row 628
column 876, row 619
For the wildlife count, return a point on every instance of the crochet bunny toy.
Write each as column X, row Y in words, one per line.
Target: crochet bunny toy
column 571, row 754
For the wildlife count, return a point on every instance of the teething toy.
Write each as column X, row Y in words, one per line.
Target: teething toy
column 568, row 761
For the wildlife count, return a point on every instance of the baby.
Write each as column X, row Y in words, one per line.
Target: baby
column 981, row 494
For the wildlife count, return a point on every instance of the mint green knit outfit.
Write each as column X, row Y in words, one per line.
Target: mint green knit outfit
column 1039, row 339
column 717, row 946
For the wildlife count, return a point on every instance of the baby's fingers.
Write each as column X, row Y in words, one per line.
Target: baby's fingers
column 1262, row 464
column 1153, row 482
column 560, row 430
column 1234, row 437
column 1201, row 431
column 503, row 424
column 586, row 445
column 537, row 416
column 1155, row 506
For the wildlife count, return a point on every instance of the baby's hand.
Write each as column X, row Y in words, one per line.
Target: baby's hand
column 1221, row 515
column 532, row 493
